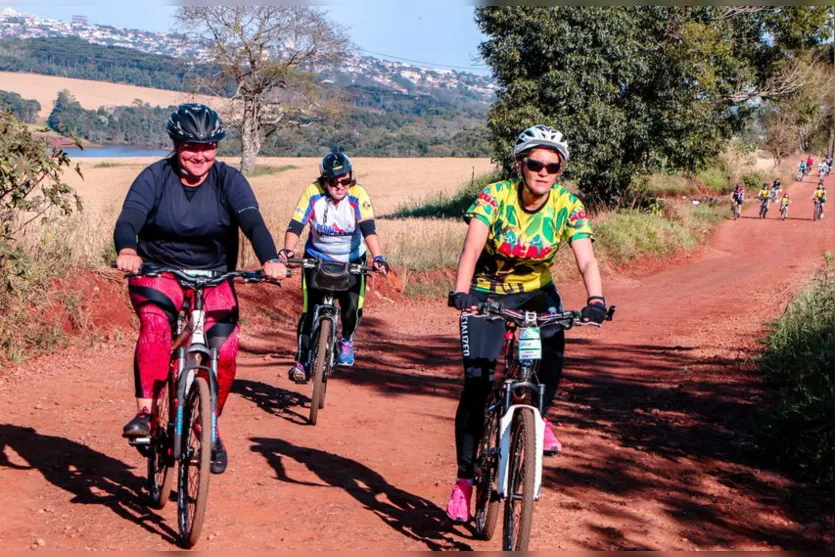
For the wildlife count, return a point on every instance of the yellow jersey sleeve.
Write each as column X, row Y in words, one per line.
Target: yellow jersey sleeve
column 305, row 204
column 361, row 202
column 577, row 224
column 485, row 207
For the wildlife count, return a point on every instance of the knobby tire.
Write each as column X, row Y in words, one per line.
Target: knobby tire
column 521, row 475
column 320, row 363
column 487, row 499
column 193, row 492
column 160, row 459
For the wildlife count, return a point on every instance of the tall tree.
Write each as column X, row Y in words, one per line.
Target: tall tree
column 267, row 54
column 636, row 89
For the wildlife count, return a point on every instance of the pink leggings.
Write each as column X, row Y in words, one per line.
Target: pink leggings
column 157, row 302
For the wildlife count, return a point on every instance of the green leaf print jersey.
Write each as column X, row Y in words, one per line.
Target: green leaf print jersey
column 521, row 244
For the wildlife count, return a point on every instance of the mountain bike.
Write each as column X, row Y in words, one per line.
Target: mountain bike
column 508, row 464
column 800, row 174
column 736, row 209
column 332, row 277
column 784, row 212
column 818, row 212
column 763, row 207
column 183, row 422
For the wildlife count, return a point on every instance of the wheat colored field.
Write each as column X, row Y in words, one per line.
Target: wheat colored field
column 391, row 183
column 91, row 94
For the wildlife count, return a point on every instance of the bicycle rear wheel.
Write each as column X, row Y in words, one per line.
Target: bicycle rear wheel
column 320, row 363
column 160, row 459
column 195, row 459
column 521, row 475
column 487, row 499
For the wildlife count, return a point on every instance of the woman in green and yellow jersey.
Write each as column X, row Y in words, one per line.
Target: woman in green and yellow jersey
column 515, row 229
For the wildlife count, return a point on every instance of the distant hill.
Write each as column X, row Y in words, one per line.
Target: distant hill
column 380, row 120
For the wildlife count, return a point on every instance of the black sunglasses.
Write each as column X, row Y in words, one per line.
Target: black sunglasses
column 535, row 165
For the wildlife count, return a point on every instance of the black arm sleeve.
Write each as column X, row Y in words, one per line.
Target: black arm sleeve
column 253, row 226
column 128, row 225
column 367, row 227
column 295, row 227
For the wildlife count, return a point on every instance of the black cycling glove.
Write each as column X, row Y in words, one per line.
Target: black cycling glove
column 462, row 300
column 594, row 312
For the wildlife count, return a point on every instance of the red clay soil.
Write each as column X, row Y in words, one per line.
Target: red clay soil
column 653, row 410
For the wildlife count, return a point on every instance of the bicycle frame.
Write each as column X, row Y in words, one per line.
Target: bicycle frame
column 192, row 341
column 325, row 310
column 521, row 376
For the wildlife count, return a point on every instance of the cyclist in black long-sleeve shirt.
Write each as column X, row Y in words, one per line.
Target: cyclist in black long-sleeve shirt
column 184, row 212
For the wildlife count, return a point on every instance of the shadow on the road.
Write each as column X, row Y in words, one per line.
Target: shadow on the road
column 413, row 516
column 92, row 477
column 273, row 400
column 683, row 404
column 690, row 410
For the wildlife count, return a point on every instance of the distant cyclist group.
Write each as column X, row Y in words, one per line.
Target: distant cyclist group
column 770, row 193
column 177, row 238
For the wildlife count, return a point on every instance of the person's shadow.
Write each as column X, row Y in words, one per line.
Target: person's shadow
column 273, row 400
column 409, row 514
column 92, row 477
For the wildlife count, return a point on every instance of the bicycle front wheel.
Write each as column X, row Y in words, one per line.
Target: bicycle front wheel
column 320, row 363
column 161, row 456
column 486, row 464
column 521, row 475
column 195, row 459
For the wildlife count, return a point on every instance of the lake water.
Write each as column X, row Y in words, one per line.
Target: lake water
column 109, row 151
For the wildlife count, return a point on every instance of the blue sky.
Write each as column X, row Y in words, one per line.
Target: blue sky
column 436, row 32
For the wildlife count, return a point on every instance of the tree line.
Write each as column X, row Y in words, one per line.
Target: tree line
column 380, row 124
column 74, row 57
column 24, row 109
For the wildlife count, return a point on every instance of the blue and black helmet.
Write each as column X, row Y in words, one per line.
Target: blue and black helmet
column 335, row 164
column 195, row 123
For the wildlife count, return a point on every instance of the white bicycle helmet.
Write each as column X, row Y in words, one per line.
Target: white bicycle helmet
column 541, row 136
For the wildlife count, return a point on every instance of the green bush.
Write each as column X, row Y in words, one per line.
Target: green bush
column 753, row 180
column 714, row 179
column 797, row 428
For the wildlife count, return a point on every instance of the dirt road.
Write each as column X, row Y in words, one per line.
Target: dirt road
column 651, row 419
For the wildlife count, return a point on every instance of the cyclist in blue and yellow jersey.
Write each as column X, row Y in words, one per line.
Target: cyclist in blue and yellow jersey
column 765, row 193
column 341, row 222
column 820, row 195
column 785, row 201
column 515, row 229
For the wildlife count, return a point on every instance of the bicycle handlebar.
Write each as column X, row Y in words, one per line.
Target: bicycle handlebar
column 200, row 278
column 311, row 262
column 566, row 319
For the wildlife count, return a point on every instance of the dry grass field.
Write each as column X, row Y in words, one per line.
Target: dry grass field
column 91, row 94
column 410, row 244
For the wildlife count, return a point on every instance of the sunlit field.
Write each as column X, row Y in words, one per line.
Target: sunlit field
column 391, row 182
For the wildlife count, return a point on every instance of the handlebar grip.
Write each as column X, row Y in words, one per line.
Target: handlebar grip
column 450, row 299
column 610, row 313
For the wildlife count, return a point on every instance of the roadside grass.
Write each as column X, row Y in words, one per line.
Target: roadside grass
column 107, row 164
column 796, row 429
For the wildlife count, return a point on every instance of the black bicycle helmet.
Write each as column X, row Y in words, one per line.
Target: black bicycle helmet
column 335, row 164
column 195, row 123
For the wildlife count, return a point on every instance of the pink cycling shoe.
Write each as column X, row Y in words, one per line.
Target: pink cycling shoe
column 458, row 508
column 551, row 445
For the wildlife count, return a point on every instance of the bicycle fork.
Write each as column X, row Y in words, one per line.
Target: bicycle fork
column 505, row 428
